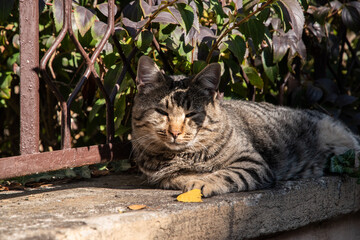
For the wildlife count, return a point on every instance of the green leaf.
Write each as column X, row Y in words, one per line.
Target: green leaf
column 280, row 47
column 119, row 113
column 49, row 41
column 187, row 15
column 103, row 8
column 216, row 6
column 249, row 4
column 121, row 130
column 58, row 14
column 257, row 31
column 97, row 106
column 351, row 15
column 5, row 83
column 304, row 4
column 254, row 77
column 271, row 70
column 84, row 19
column 111, row 77
column 294, row 15
column 198, row 66
column 98, row 30
column 237, row 46
column 144, row 40
column 165, row 31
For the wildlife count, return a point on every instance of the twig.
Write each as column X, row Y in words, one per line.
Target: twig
column 234, row 26
column 123, row 57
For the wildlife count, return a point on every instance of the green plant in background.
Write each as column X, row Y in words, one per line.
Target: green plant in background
column 297, row 53
column 344, row 164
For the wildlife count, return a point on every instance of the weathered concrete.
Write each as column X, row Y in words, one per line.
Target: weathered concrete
column 97, row 209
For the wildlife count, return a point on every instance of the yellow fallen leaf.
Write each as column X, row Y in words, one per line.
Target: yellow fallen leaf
column 190, row 196
column 137, row 207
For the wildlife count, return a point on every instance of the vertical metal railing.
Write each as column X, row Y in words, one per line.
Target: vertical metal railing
column 29, row 86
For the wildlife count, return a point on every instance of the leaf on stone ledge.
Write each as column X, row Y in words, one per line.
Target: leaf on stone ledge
column 137, row 207
column 190, row 196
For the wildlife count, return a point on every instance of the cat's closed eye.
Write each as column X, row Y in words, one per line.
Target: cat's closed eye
column 162, row 112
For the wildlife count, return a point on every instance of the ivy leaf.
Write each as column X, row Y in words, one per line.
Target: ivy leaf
column 58, row 14
column 103, row 8
column 5, row 9
column 254, row 77
column 237, row 46
column 351, row 15
column 187, row 15
column 293, row 11
column 84, row 19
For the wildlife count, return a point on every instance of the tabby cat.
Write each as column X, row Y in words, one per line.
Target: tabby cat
column 185, row 137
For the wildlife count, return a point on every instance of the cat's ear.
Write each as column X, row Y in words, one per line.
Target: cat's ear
column 209, row 78
column 149, row 75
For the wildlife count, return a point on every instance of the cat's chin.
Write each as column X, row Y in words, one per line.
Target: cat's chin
column 176, row 146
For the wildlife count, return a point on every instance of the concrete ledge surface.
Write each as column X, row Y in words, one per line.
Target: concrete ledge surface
column 97, row 209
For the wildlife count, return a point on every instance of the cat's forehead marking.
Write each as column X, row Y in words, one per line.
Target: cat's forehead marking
column 176, row 98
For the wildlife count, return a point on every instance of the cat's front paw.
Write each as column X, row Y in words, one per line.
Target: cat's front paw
column 207, row 189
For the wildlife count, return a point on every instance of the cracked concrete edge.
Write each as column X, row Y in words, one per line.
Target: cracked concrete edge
column 289, row 206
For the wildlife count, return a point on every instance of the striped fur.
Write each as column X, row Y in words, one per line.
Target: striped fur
column 184, row 137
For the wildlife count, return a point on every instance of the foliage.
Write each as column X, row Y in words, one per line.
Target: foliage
column 289, row 52
column 344, row 164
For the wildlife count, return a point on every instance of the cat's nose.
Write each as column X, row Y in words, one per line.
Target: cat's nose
column 174, row 133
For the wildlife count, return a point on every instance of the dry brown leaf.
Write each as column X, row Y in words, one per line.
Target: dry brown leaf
column 3, row 188
column 137, row 206
column 190, row 196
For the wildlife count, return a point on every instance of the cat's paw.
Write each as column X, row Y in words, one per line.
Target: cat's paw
column 207, row 189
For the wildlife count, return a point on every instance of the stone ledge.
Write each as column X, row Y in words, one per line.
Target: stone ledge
column 97, row 209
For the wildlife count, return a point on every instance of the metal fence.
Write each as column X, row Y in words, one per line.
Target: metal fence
column 31, row 161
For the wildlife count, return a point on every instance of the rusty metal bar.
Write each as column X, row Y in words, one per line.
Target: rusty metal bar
column 90, row 69
column 29, row 80
column 65, row 112
column 72, row 157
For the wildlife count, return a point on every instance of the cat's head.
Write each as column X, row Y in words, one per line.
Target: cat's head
column 174, row 112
